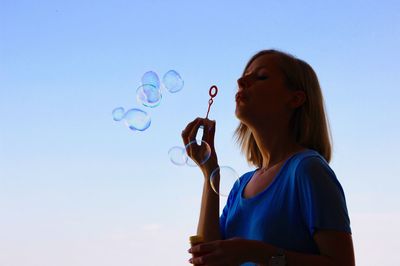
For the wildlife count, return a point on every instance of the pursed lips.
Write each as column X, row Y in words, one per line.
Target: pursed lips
column 240, row 96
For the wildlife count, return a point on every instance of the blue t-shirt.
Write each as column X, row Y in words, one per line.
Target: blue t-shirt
column 305, row 195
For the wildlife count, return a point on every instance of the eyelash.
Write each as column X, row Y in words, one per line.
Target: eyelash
column 262, row 77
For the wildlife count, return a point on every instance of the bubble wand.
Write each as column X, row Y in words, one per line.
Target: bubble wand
column 212, row 92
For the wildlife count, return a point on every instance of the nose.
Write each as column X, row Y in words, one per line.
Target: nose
column 242, row 83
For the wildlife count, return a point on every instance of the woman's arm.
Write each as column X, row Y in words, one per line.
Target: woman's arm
column 335, row 245
column 208, row 226
column 336, row 249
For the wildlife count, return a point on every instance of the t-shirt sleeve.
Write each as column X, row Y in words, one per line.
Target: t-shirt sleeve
column 321, row 197
column 229, row 202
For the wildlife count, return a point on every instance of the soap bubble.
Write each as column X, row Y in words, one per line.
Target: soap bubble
column 151, row 77
column 222, row 180
column 118, row 113
column 177, row 155
column 137, row 119
column 148, row 95
column 203, row 151
column 172, row 81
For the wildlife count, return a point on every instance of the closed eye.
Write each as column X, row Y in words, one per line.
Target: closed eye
column 262, row 77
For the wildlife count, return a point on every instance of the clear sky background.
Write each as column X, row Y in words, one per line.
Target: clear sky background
column 77, row 188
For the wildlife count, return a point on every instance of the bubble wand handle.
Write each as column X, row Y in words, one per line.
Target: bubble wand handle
column 212, row 92
column 210, row 102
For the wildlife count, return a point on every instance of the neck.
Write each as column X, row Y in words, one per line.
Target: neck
column 275, row 143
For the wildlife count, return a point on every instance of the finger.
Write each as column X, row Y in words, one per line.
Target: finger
column 205, row 247
column 188, row 129
column 191, row 139
column 189, row 126
column 195, row 128
column 210, row 124
column 209, row 132
column 209, row 259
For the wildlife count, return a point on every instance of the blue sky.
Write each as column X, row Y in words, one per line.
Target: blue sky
column 77, row 188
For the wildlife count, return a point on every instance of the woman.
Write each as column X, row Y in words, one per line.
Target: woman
column 291, row 210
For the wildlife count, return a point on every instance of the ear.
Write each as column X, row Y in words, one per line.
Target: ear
column 298, row 98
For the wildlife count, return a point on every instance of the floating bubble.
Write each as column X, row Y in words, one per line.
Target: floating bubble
column 172, row 81
column 151, row 77
column 118, row 113
column 137, row 119
column 148, row 95
column 177, row 155
column 222, row 180
column 202, row 151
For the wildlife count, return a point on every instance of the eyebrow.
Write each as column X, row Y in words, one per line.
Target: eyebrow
column 258, row 68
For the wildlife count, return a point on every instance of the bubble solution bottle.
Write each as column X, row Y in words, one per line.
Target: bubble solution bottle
column 195, row 240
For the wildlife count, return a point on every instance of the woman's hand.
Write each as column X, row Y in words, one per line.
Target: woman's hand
column 196, row 152
column 221, row 252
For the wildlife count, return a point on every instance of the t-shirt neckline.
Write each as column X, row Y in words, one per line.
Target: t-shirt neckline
column 273, row 181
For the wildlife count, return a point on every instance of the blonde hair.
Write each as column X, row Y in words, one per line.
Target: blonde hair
column 309, row 123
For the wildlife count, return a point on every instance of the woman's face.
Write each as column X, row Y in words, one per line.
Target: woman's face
column 262, row 94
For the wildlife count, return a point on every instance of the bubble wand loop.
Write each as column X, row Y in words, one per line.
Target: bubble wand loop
column 212, row 92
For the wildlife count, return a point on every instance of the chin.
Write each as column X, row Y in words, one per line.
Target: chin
column 241, row 115
column 237, row 112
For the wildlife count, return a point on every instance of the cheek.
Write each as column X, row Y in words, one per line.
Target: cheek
column 269, row 103
column 265, row 99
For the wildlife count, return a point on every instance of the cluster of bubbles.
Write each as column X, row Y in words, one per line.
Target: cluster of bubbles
column 222, row 178
column 148, row 94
